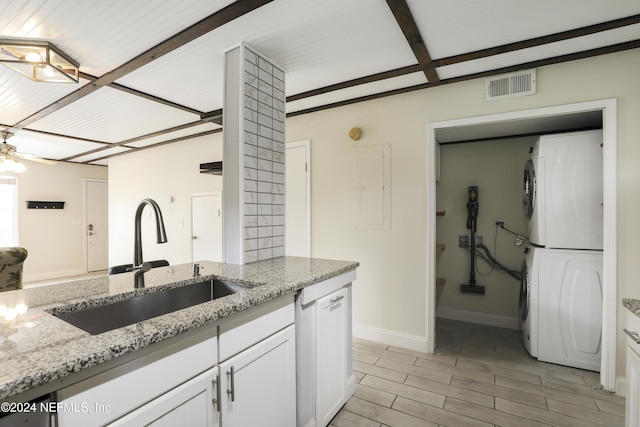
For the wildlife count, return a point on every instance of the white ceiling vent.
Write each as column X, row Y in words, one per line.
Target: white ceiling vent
column 510, row 85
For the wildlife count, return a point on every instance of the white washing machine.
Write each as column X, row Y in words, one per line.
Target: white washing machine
column 528, row 302
column 565, row 300
column 563, row 191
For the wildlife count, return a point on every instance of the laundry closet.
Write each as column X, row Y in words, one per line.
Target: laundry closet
column 540, row 271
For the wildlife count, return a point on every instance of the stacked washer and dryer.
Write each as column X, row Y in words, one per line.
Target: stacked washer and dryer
column 561, row 288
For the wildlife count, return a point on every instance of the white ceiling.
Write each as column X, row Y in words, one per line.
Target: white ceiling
column 321, row 45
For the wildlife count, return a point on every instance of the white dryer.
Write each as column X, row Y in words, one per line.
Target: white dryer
column 569, row 306
column 563, row 191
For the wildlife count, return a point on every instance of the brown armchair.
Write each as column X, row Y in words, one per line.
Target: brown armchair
column 11, row 260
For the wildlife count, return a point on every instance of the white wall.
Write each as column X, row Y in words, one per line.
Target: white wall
column 54, row 238
column 389, row 295
column 171, row 170
column 496, row 168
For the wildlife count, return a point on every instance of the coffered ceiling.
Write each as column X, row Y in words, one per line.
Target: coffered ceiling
column 152, row 71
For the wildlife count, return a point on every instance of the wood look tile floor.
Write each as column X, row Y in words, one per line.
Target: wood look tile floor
column 479, row 376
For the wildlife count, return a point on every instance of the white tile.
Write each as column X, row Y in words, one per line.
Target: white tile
column 250, row 68
column 251, row 127
column 265, row 65
column 265, row 231
column 250, row 56
column 251, row 233
column 250, row 209
column 250, row 173
column 278, row 230
column 249, row 148
column 250, row 244
column 265, row 187
column 251, row 115
column 278, row 136
column 251, row 80
column 265, row 176
column 277, row 209
column 269, row 209
column 278, row 241
column 265, row 243
column 251, row 91
column 250, row 197
column 265, row 142
column 265, row 98
column 278, row 178
column 278, row 74
column 278, row 167
column 277, row 220
column 265, row 120
column 251, row 221
column 266, row 154
column 250, row 256
column 266, row 220
column 265, row 165
column 265, row 254
column 250, row 162
column 278, row 188
column 265, row 131
column 265, row 198
column 278, row 251
column 250, row 103
column 250, row 185
column 277, row 125
column 278, row 199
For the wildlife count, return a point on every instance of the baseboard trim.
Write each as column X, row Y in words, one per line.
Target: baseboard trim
column 480, row 318
column 397, row 339
column 52, row 275
column 621, row 386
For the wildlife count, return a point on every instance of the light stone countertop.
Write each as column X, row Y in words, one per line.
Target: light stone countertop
column 38, row 348
column 633, row 305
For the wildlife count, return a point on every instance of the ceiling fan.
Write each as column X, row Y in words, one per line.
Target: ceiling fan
column 9, row 156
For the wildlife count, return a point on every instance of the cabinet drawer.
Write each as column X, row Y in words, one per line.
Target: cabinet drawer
column 113, row 393
column 246, row 328
column 326, row 287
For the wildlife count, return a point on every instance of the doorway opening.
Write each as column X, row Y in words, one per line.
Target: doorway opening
column 517, row 122
column 96, row 219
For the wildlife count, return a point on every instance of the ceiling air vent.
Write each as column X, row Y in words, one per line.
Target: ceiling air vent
column 511, row 85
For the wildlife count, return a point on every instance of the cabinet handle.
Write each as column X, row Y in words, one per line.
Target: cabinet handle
column 232, row 391
column 216, row 400
column 632, row 335
column 336, row 299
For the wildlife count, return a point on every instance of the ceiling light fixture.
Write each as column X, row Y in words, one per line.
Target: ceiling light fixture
column 39, row 60
column 8, row 160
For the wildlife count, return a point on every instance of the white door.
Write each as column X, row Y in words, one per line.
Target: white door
column 206, row 227
column 298, row 197
column 97, row 225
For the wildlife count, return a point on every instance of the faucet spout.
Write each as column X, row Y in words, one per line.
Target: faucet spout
column 161, row 233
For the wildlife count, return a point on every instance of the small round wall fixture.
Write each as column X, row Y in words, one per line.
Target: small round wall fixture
column 355, row 133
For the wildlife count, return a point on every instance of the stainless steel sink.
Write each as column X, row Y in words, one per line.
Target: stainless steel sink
column 97, row 320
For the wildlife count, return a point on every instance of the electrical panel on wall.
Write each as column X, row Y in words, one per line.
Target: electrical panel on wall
column 372, row 187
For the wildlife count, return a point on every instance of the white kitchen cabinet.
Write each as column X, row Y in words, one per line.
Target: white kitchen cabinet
column 325, row 379
column 109, row 395
column 190, row 404
column 332, row 341
column 258, row 386
column 632, row 404
column 180, row 382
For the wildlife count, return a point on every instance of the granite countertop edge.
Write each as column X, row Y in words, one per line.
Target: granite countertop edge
column 54, row 361
column 633, row 305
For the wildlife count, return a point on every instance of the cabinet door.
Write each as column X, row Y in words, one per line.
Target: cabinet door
column 632, row 410
column 190, row 404
column 332, row 336
column 259, row 386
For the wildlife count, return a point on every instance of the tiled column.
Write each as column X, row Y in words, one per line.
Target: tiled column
column 254, row 157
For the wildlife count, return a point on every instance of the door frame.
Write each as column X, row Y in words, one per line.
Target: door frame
column 608, row 107
column 304, row 143
column 85, row 238
column 201, row 194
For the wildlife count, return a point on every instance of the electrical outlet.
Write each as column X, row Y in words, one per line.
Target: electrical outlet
column 464, row 241
column 500, row 223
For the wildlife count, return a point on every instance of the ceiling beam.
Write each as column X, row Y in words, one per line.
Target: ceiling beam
column 409, row 28
column 538, row 41
column 143, row 137
column 635, row 44
column 218, row 19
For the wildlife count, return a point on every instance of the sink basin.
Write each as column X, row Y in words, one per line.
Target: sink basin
column 97, row 320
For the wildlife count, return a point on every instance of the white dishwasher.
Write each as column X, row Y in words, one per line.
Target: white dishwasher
column 324, row 374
